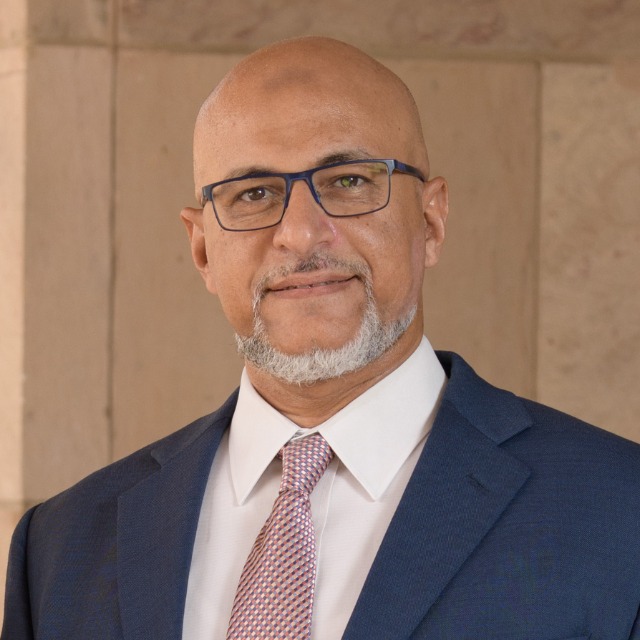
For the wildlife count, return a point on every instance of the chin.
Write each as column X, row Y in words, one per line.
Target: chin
column 316, row 362
column 313, row 344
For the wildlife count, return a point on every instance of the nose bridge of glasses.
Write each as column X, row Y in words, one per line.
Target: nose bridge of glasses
column 303, row 176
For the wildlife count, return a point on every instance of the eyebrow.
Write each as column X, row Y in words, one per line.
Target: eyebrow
column 338, row 156
column 344, row 156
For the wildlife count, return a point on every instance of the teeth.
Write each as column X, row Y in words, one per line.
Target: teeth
column 307, row 286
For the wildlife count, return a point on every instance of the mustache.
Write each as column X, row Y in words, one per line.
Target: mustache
column 315, row 262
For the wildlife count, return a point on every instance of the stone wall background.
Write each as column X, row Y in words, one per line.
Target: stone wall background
column 108, row 340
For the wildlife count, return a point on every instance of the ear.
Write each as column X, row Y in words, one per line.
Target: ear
column 194, row 222
column 435, row 205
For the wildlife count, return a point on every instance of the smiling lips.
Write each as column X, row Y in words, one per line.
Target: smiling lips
column 305, row 283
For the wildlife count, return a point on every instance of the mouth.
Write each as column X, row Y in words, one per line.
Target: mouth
column 308, row 284
column 316, row 276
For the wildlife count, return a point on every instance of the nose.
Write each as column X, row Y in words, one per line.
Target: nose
column 305, row 226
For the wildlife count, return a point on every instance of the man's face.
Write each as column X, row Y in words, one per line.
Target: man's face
column 294, row 128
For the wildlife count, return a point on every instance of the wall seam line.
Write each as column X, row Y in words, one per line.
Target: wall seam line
column 535, row 364
column 112, row 233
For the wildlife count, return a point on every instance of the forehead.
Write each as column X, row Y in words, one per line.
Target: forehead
column 287, row 120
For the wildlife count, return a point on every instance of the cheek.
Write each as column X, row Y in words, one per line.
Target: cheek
column 236, row 302
column 418, row 256
column 231, row 279
column 398, row 266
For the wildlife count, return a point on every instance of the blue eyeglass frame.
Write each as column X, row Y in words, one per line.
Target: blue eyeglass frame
column 393, row 166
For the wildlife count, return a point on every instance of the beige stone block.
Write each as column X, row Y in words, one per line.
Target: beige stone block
column 13, row 22
column 67, row 267
column 12, row 197
column 174, row 356
column 401, row 27
column 480, row 125
column 589, row 337
column 9, row 516
column 70, row 21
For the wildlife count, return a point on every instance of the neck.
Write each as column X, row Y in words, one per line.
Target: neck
column 311, row 405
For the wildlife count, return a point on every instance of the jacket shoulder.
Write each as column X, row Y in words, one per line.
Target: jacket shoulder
column 536, row 432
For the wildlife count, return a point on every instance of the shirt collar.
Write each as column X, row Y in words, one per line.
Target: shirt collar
column 372, row 436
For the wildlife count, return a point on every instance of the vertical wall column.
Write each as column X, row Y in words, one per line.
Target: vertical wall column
column 12, row 225
column 589, row 337
column 55, row 252
column 67, row 266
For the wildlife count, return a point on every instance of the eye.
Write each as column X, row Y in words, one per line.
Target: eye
column 254, row 194
column 348, row 182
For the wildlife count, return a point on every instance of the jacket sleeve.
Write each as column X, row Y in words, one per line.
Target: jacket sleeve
column 17, row 608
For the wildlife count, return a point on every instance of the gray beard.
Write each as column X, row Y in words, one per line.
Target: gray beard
column 373, row 339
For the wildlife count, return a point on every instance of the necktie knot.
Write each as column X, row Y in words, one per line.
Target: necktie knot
column 304, row 460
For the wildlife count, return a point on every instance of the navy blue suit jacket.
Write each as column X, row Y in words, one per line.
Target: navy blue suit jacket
column 518, row 523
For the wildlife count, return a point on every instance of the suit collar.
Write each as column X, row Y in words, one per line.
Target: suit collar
column 172, row 446
column 462, row 484
column 157, row 521
column 496, row 413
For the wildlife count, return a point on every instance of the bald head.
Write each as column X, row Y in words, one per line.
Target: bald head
column 308, row 80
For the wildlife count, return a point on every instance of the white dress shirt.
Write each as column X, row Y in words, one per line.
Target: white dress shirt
column 377, row 440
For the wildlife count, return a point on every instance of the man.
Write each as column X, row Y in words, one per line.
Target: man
column 442, row 508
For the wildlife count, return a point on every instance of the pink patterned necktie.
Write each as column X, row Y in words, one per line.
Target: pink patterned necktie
column 274, row 599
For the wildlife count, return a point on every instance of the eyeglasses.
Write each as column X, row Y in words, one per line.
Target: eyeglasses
column 343, row 189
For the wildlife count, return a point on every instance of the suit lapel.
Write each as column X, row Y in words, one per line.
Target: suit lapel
column 461, row 485
column 157, row 521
